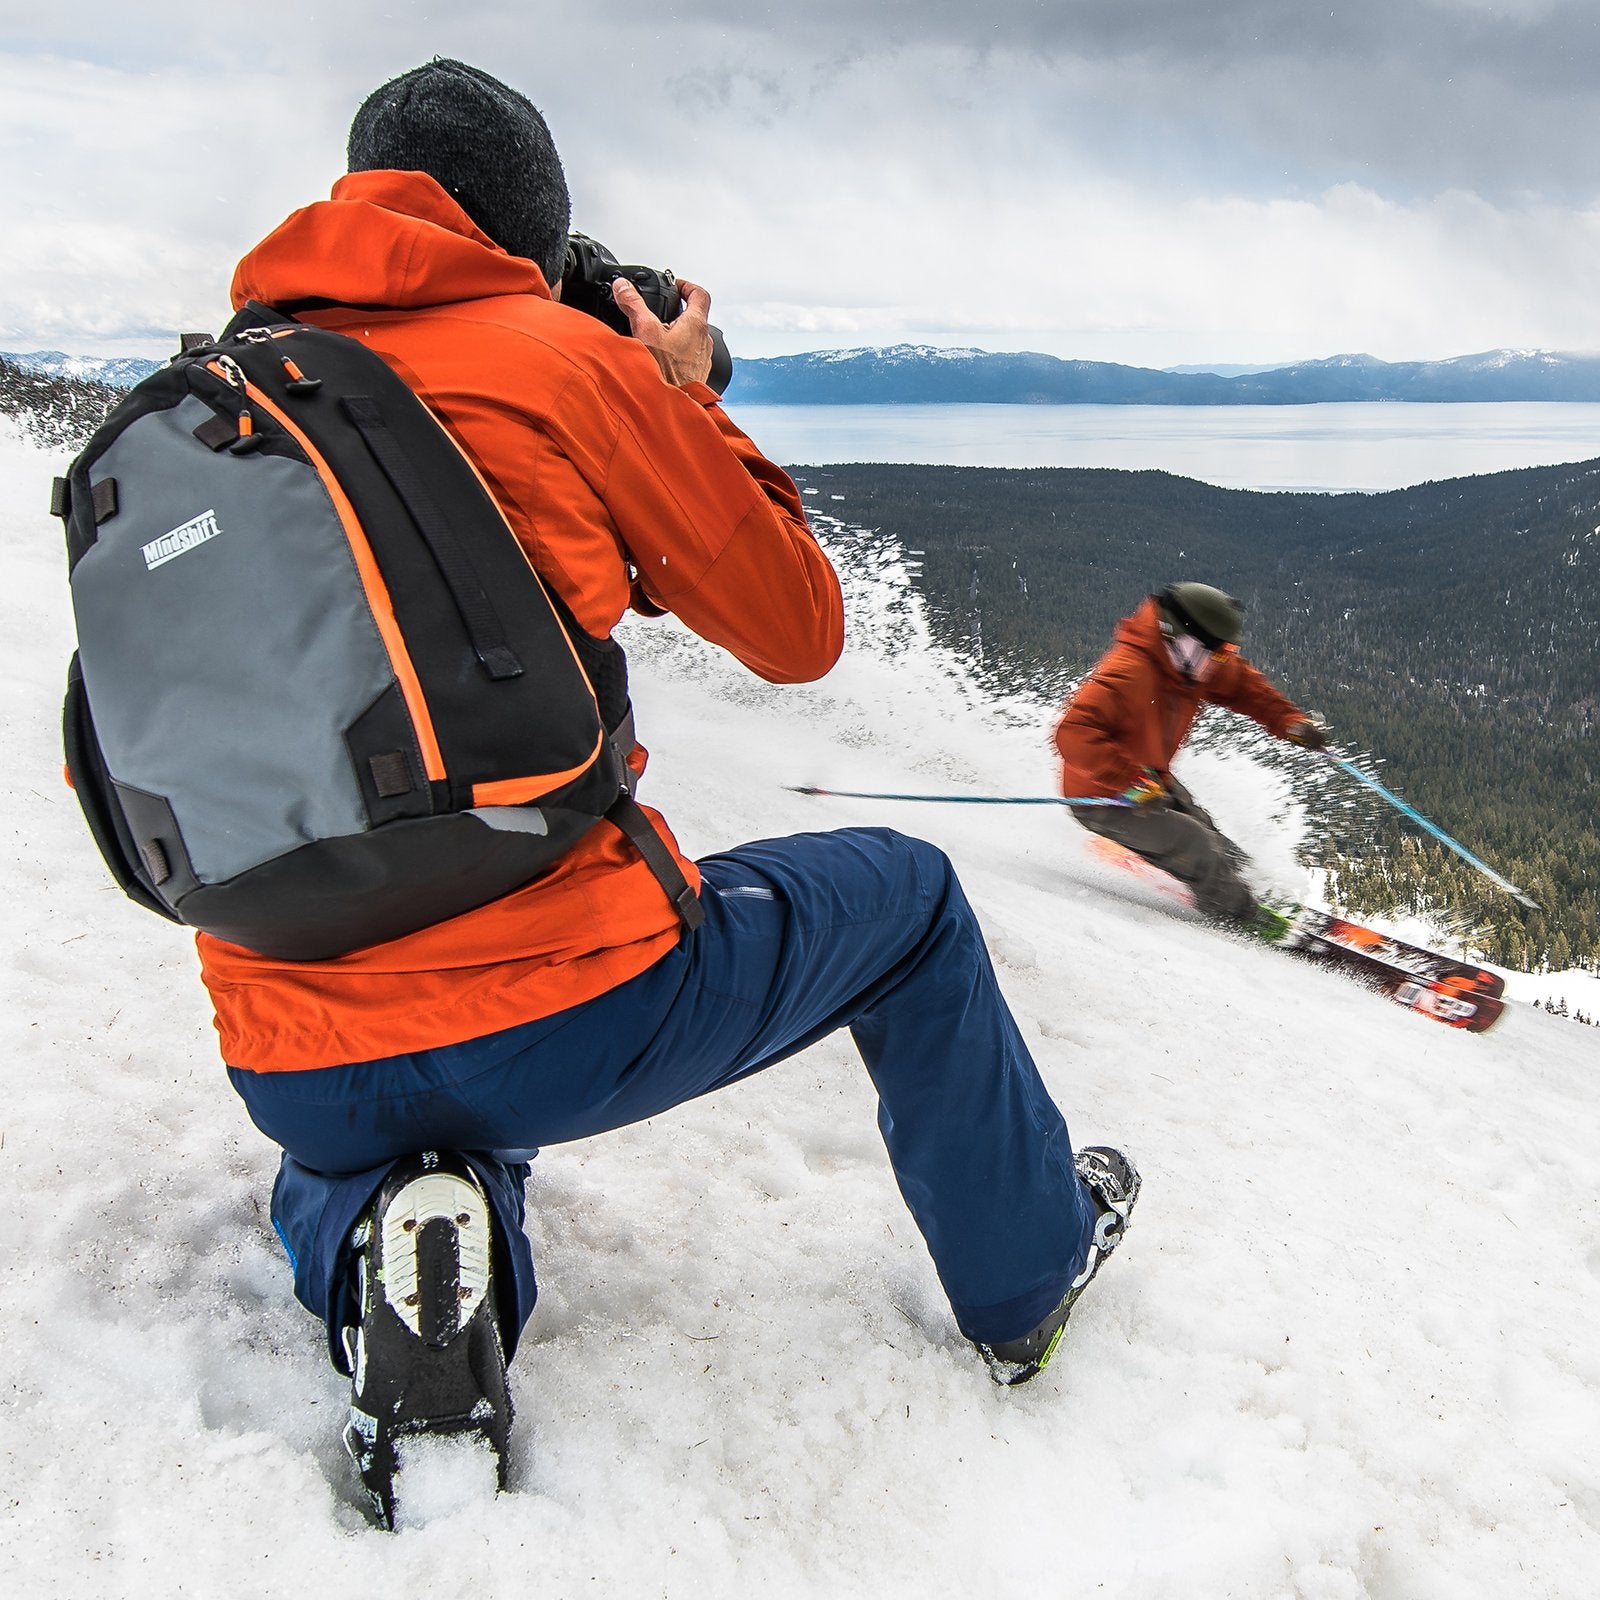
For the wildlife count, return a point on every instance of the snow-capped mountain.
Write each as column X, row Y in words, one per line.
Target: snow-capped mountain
column 120, row 372
column 913, row 374
column 922, row 373
column 895, row 354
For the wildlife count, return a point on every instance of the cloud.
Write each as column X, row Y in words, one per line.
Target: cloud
column 1111, row 274
column 129, row 194
column 1151, row 180
column 1410, row 95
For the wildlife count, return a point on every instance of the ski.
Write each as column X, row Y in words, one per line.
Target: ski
column 1416, row 958
column 1135, row 865
column 1453, row 992
column 1453, row 1001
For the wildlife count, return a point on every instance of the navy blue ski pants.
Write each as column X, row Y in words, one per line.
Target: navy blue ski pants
column 861, row 928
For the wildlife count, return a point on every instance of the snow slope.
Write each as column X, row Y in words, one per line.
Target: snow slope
column 1347, row 1351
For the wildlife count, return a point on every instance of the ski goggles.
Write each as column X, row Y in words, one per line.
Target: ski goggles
column 1194, row 658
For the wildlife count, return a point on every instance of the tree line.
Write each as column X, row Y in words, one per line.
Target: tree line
column 59, row 412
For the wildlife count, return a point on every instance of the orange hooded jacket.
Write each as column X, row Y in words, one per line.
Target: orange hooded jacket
column 623, row 491
column 1135, row 709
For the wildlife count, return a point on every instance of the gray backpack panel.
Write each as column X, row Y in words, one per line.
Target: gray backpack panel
column 244, row 588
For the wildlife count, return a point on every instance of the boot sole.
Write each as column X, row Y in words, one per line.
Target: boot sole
column 427, row 1358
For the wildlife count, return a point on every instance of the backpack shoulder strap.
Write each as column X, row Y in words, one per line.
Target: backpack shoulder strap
column 255, row 314
column 627, row 814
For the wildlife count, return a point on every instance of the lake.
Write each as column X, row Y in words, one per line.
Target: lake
column 1325, row 448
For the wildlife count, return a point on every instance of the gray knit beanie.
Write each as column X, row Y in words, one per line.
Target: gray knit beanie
column 483, row 142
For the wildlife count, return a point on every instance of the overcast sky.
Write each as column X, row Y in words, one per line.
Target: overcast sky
column 1146, row 181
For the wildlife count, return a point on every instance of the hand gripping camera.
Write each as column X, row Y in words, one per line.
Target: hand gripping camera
column 586, row 286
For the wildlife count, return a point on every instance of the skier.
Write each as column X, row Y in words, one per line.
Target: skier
column 1128, row 718
column 409, row 1083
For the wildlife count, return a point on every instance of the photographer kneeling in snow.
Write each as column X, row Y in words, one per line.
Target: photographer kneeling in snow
column 1128, row 719
column 408, row 1081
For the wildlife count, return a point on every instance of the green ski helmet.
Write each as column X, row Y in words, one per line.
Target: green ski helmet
column 1212, row 617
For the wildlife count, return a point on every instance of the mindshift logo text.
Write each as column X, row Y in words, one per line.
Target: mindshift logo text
column 181, row 539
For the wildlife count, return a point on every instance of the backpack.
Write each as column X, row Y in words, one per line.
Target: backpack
column 321, row 699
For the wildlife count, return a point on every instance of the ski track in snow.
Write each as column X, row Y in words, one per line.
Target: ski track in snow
column 1346, row 1351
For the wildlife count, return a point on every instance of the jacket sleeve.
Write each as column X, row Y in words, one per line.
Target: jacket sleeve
column 1101, row 722
column 1243, row 688
column 716, row 533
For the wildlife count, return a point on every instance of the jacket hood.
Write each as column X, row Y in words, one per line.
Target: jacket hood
column 1142, row 628
column 1142, row 631
column 390, row 240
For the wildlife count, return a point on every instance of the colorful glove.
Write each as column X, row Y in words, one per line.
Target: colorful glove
column 1310, row 733
column 1148, row 790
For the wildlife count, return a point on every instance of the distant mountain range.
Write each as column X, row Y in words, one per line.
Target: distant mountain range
column 908, row 374
column 916, row 374
column 119, row 372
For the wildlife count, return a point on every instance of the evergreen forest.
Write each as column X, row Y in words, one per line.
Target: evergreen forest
column 59, row 412
column 1450, row 633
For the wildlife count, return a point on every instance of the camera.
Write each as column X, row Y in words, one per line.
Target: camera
column 586, row 286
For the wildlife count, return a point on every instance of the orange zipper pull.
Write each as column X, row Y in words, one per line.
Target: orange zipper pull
column 248, row 439
column 298, row 382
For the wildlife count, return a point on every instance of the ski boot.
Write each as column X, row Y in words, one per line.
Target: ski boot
column 1113, row 1180
column 426, row 1356
column 1270, row 924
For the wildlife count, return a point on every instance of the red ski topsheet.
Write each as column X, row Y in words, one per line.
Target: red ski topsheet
column 1456, row 993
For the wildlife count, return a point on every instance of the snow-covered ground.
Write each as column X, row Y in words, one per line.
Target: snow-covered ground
column 1348, row 1349
column 1576, row 989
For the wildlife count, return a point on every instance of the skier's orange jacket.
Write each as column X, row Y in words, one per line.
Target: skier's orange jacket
column 1135, row 709
column 624, row 491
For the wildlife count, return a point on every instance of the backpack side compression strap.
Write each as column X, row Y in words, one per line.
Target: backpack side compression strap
column 627, row 814
column 86, row 772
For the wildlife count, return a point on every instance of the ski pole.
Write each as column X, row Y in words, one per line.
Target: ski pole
column 964, row 799
column 1438, row 833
